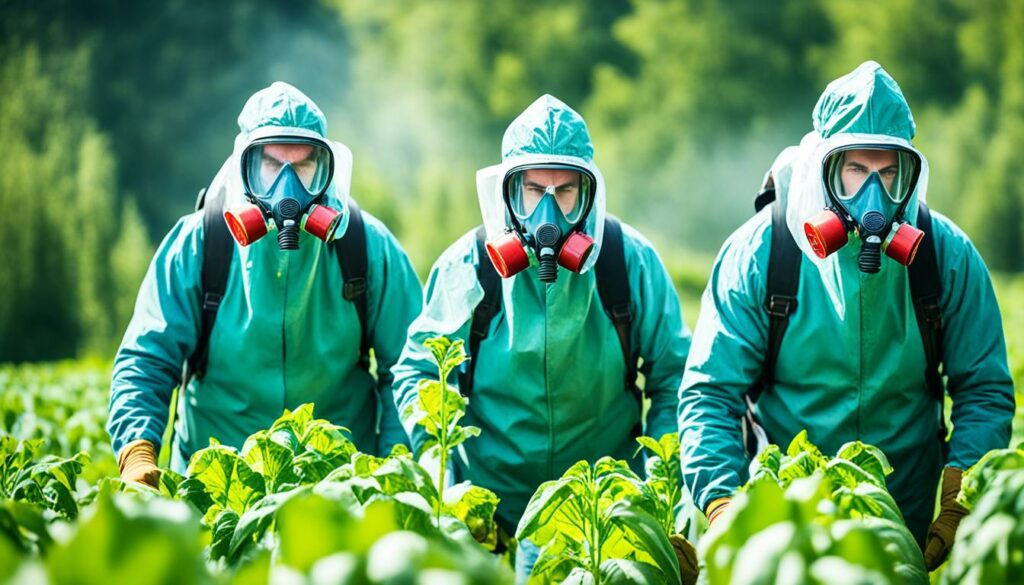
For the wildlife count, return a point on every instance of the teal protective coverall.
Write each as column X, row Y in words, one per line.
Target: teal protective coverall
column 284, row 334
column 851, row 365
column 548, row 386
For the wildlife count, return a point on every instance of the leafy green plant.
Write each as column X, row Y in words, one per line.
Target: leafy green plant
column 238, row 492
column 124, row 538
column 597, row 524
column 664, row 478
column 439, row 407
column 989, row 545
column 323, row 541
column 63, row 406
column 48, row 481
column 805, row 517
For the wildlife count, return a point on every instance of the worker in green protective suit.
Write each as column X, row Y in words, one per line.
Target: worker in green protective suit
column 851, row 365
column 284, row 332
column 548, row 381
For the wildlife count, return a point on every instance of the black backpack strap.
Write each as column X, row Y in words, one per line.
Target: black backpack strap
column 613, row 289
column 485, row 310
column 780, row 294
column 351, row 250
column 218, row 248
column 764, row 197
column 926, row 291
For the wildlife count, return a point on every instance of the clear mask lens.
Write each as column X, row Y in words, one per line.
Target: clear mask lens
column 572, row 191
column 846, row 170
column 264, row 161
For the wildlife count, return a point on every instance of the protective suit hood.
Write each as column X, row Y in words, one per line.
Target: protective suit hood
column 282, row 110
column 547, row 132
column 864, row 107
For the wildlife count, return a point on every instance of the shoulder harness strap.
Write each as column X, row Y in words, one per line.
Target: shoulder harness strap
column 351, row 251
column 780, row 298
column 218, row 248
column 485, row 310
column 926, row 292
column 613, row 289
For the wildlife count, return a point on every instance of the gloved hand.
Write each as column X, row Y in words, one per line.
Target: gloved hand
column 943, row 529
column 138, row 463
column 716, row 508
column 687, row 556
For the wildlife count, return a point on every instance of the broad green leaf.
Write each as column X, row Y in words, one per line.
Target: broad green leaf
column 405, row 475
column 867, row 499
column 758, row 559
column 364, row 464
column 579, row 576
column 846, row 473
column 976, row 480
column 459, row 435
column 768, row 460
column 169, row 482
column 226, row 479
column 556, row 560
column 801, row 444
column 253, row 524
column 868, row 457
column 270, row 455
column 803, row 464
column 645, row 533
column 311, row 527
column 129, row 538
column 475, row 506
column 856, row 543
column 24, row 526
column 900, row 545
column 627, row 571
column 447, row 354
column 544, row 505
column 650, row 444
column 222, row 530
column 350, row 493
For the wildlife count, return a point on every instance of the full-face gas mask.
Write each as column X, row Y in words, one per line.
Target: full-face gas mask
column 882, row 180
column 547, row 207
column 284, row 178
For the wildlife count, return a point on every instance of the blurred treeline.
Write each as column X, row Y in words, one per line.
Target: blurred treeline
column 114, row 114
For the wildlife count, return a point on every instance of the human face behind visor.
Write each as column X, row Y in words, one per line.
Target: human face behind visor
column 547, row 205
column 284, row 178
column 565, row 186
column 869, row 189
column 310, row 162
column 849, row 169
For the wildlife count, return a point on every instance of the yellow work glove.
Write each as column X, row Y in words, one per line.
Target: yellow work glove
column 687, row 556
column 943, row 529
column 138, row 463
column 716, row 508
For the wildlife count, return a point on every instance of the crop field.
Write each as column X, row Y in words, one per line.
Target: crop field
column 298, row 504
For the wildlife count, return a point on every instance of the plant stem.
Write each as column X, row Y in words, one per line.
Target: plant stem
column 442, row 442
column 595, row 539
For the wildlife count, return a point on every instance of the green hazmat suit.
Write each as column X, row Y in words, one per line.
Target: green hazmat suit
column 284, row 333
column 548, row 386
column 851, row 365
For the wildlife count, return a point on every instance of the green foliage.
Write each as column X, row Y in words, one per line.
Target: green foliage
column 64, row 408
column 48, row 481
column 806, row 518
column 597, row 524
column 248, row 500
column 439, row 407
column 130, row 538
column 989, row 545
column 664, row 482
